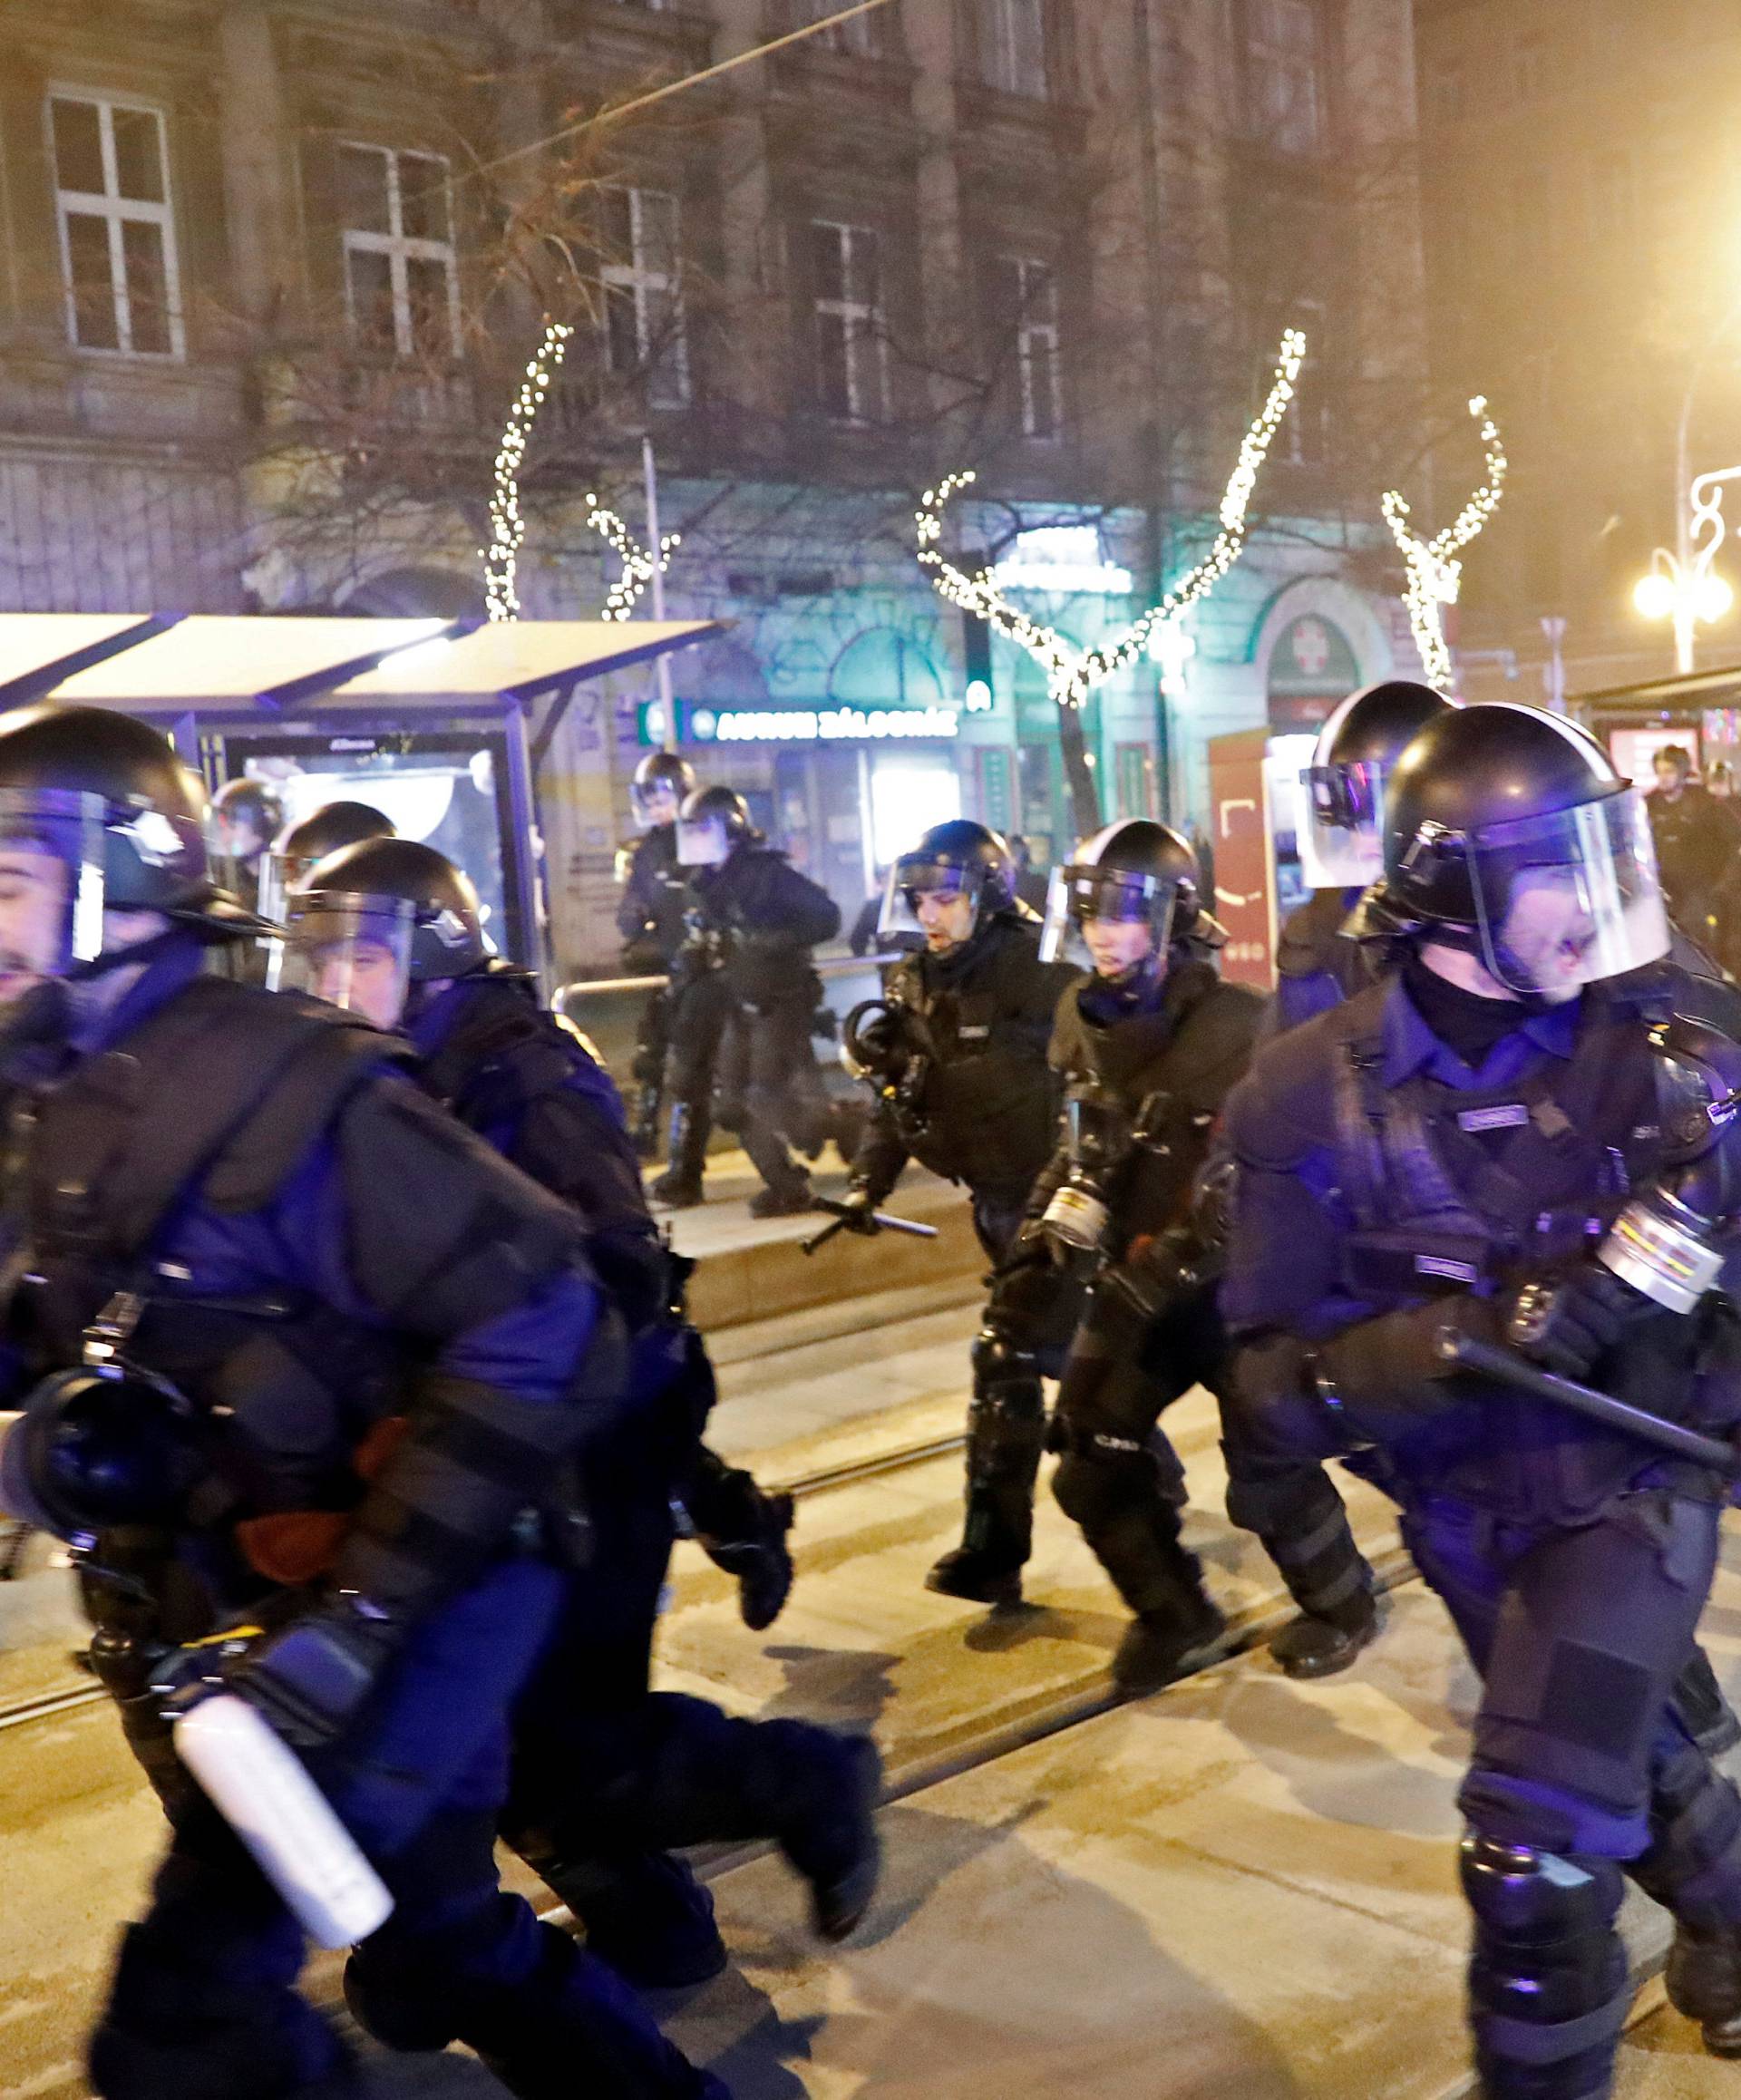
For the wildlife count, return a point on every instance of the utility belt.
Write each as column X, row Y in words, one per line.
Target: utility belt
column 1404, row 1263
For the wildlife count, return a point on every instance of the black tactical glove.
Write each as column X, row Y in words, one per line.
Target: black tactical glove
column 858, row 1211
column 1155, row 1270
column 1568, row 1323
column 744, row 1530
column 309, row 1680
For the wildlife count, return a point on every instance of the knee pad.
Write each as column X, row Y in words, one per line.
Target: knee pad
column 998, row 1362
column 1095, row 1481
column 1547, row 1974
column 1296, row 1500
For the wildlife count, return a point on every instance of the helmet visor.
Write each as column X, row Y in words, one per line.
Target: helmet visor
column 1569, row 899
column 1342, row 846
column 656, row 800
column 51, row 884
column 354, row 952
column 279, row 874
column 923, row 894
column 702, row 842
column 1080, row 894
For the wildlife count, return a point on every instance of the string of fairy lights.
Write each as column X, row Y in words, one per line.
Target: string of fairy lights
column 508, row 521
column 1434, row 572
column 1073, row 674
column 638, row 565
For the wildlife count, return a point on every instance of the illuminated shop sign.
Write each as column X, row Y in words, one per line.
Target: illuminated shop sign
column 698, row 725
column 1062, row 557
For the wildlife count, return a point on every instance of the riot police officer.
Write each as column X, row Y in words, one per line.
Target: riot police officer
column 606, row 1773
column 954, row 1055
column 379, row 1344
column 1340, row 845
column 299, row 846
column 247, row 818
column 1148, row 1048
column 754, row 920
column 1329, row 952
column 1438, row 1163
column 650, row 920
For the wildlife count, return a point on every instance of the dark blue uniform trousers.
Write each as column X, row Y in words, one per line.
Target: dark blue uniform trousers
column 204, row 2001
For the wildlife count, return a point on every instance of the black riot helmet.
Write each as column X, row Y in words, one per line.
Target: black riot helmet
column 712, row 823
column 100, row 1446
column 101, row 814
column 404, row 902
column 1135, row 870
column 299, row 846
column 661, row 777
column 1508, row 832
column 958, row 859
column 251, row 802
column 1342, row 846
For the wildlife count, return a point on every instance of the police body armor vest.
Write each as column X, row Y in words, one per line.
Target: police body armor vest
column 210, row 1101
column 1453, row 1190
column 1172, row 1069
column 984, row 1110
column 503, row 1056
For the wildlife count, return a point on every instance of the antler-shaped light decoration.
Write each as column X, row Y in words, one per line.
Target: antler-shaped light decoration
column 507, row 525
column 1435, row 570
column 1073, row 674
column 638, row 565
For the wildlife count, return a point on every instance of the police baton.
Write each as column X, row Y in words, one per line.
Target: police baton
column 844, row 1214
column 1508, row 1369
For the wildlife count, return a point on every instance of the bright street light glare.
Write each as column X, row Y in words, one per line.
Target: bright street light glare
column 1713, row 599
column 1654, row 595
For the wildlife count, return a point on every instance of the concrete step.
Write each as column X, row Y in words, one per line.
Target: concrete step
column 752, row 1269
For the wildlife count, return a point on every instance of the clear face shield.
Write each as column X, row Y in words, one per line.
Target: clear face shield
column 655, row 804
column 1569, row 899
column 1109, row 920
column 703, row 843
column 51, row 886
column 280, row 875
column 354, row 952
column 930, row 904
column 1342, row 846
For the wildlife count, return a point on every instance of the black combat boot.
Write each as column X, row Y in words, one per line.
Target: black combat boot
column 679, row 1187
column 1006, row 1435
column 786, row 1197
column 1703, row 1980
column 1160, row 1648
column 836, row 1848
column 1319, row 1643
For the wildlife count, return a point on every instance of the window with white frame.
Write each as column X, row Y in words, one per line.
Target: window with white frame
column 861, row 36
column 642, row 277
column 851, row 347
column 1012, row 47
column 118, row 262
column 1027, row 304
column 402, row 287
column 1286, row 74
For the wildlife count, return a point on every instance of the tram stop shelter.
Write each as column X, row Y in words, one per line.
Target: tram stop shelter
column 441, row 724
column 1699, row 711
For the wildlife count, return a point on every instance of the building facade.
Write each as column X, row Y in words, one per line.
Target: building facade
column 1581, row 208
column 275, row 267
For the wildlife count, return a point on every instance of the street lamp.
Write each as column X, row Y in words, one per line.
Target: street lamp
column 1684, row 586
